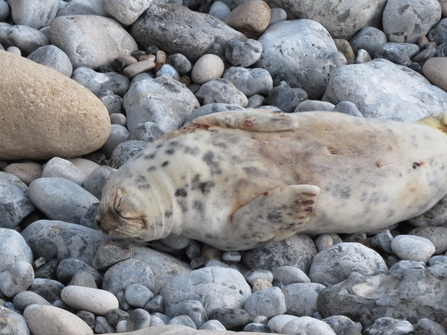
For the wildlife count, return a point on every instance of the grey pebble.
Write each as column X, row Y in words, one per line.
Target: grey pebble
column 399, row 53
column 126, row 150
column 138, row 319
column 347, row 107
column 437, row 235
column 362, row 57
column 156, row 321
column 249, row 81
column 48, row 270
column 118, row 118
column 118, row 135
column 277, row 14
column 413, row 248
column 231, row 317
column 53, row 57
column 221, row 91
column 212, row 325
column 429, row 327
column 130, row 271
column 68, row 267
column 146, row 131
column 155, row 305
column 387, row 325
column 253, row 275
column 14, row 200
column 98, row 82
column 435, row 216
column 383, row 241
column 268, row 302
column 4, row 12
column 97, row 180
column 439, row 33
column 84, row 279
column 314, row 105
column 285, row 97
column 60, row 199
column 12, row 322
column 243, row 53
column 369, row 39
column 231, row 256
column 323, row 242
column 256, row 327
column 25, row 298
column 115, row 315
column 340, row 323
column 255, row 101
column 287, row 275
column 176, row 243
column 211, row 108
column 301, row 298
column 219, row 9
column 16, row 278
column 112, row 101
column 25, row 38
column 306, row 325
column 334, row 264
column 83, row 7
column 184, row 320
column 102, row 327
column 87, row 317
column 167, row 70
column 137, row 295
column 180, row 63
column 111, row 252
column 48, row 289
column 61, row 168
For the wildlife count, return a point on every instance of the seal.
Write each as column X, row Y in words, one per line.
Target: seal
column 239, row 179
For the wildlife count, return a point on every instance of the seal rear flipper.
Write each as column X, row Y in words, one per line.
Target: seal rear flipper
column 276, row 214
column 258, row 120
column 437, row 121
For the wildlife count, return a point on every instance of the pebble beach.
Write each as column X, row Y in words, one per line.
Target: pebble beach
column 87, row 84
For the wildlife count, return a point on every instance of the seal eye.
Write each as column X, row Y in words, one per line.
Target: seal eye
column 124, row 206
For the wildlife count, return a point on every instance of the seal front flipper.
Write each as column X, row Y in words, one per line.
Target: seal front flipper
column 258, row 120
column 276, row 214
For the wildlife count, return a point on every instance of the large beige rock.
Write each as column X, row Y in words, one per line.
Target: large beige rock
column 44, row 114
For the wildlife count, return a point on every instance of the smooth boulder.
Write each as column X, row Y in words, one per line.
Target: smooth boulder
column 46, row 114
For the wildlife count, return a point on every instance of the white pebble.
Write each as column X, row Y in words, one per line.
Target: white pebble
column 206, row 68
column 413, row 248
column 90, row 299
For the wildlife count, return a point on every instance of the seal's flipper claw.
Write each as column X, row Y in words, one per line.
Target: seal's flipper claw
column 438, row 121
column 258, row 120
column 278, row 213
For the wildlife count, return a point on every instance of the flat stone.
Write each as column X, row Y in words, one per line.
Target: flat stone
column 72, row 34
column 49, row 115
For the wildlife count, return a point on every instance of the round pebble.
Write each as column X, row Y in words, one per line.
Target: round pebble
column 413, row 248
column 206, row 68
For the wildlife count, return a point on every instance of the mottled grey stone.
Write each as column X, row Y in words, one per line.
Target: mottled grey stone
column 297, row 250
column 167, row 70
column 25, row 38
column 26, row 298
column 118, row 135
column 87, row 317
column 439, row 33
column 253, row 275
column 301, row 298
column 399, row 293
column 402, row 95
column 68, row 267
column 383, row 241
column 435, row 216
column 116, row 315
column 427, row 53
column 341, row 19
column 214, row 287
column 126, row 12
column 13, row 248
column 437, row 235
column 60, row 199
column 243, row 53
column 146, row 131
column 73, row 35
column 336, row 263
column 113, row 102
column 306, row 325
column 137, row 295
column 341, row 323
column 306, row 40
column 347, row 107
column 370, row 39
column 126, row 150
column 14, row 200
column 412, row 248
column 34, row 13
column 12, row 322
column 180, row 63
column 163, row 100
column 49, row 289
column 16, row 277
column 231, row 317
column 399, row 53
column 82, row 7
column 219, row 9
column 193, row 309
column 97, row 179
column 268, row 302
column 124, row 273
column 201, row 33
column 53, row 57
column 249, row 81
column 221, row 91
column 428, row 327
column 61, row 168
column 155, row 305
column 314, row 105
column 285, row 97
column 102, row 327
column 138, row 319
column 184, row 320
column 390, row 326
column 287, row 275
column 407, row 20
column 60, row 240
column 97, row 82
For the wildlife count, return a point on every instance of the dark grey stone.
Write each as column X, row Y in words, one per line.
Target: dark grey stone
column 297, row 250
column 435, row 216
column 399, row 53
column 231, row 317
column 111, row 252
column 285, row 97
column 116, row 315
column 125, row 151
column 87, row 317
column 48, row 289
column 138, row 319
column 438, row 34
column 137, row 295
column 112, row 101
column 118, row 134
column 155, row 305
column 383, row 241
column 68, row 267
column 146, row 131
column 370, row 39
column 102, row 327
column 180, row 63
column 340, row 324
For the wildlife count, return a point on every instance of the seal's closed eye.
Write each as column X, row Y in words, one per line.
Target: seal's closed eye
column 124, row 206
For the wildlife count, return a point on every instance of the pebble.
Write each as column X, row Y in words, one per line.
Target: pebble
column 12, row 322
column 61, row 168
column 53, row 57
column 13, row 248
column 14, row 200
column 335, row 263
column 243, row 53
column 251, row 18
column 301, row 298
column 436, row 235
column 97, row 301
column 50, row 320
column 268, row 302
column 124, row 151
column 250, row 81
column 15, row 278
column 113, row 102
column 59, row 110
column 83, row 7
column 167, row 70
column 137, row 295
column 393, row 326
column 118, row 134
column 399, row 53
column 179, row 62
column 207, row 67
column 307, row 326
column 221, row 91
column 126, row 12
column 25, row 298
column 285, row 97
column 413, row 248
column 231, row 317
column 69, row 267
column 4, row 10
column 433, row 70
column 25, row 39
column 219, row 9
column 287, row 275
column 383, row 241
column 138, row 319
column 369, row 39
